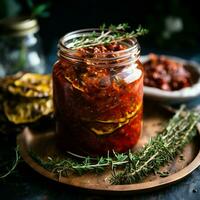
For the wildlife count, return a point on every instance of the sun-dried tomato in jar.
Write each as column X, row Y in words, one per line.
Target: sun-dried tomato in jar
column 98, row 96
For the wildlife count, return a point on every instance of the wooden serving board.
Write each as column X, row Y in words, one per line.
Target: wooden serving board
column 43, row 144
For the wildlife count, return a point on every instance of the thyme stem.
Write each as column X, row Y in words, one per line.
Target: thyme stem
column 160, row 150
column 108, row 35
column 17, row 158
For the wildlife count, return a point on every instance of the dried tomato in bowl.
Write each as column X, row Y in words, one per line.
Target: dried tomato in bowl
column 166, row 74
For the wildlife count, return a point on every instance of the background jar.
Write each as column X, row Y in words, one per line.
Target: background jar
column 20, row 46
column 98, row 99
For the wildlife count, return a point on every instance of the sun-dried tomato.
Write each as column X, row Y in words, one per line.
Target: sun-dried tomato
column 98, row 106
column 166, row 74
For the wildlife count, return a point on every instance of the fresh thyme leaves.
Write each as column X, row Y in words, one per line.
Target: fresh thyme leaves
column 128, row 168
column 107, row 35
column 161, row 149
column 17, row 159
column 181, row 157
column 163, row 174
column 74, row 163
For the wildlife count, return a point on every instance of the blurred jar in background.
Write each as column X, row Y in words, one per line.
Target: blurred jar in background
column 20, row 46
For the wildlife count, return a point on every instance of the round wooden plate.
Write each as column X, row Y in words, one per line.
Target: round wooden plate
column 43, row 144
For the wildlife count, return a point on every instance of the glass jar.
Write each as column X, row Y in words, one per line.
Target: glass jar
column 20, row 46
column 98, row 99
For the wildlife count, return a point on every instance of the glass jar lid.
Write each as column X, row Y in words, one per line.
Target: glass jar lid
column 18, row 26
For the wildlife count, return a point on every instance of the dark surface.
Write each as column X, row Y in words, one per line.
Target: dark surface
column 24, row 183
column 27, row 184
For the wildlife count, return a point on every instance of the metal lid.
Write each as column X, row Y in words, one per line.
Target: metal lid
column 18, row 26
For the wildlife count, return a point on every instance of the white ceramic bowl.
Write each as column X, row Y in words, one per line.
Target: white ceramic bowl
column 178, row 96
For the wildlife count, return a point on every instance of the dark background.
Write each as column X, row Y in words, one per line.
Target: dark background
column 68, row 15
column 71, row 15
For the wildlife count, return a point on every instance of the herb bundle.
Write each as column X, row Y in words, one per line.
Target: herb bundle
column 160, row 150
column 107, row 35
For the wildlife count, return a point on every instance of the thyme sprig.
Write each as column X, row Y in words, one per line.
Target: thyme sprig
column 77, row 164
column 15, row 163
column 160, row 150
column 132, row 167
column 107, row 35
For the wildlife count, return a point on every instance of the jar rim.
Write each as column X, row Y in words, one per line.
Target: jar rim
column 133, row 46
